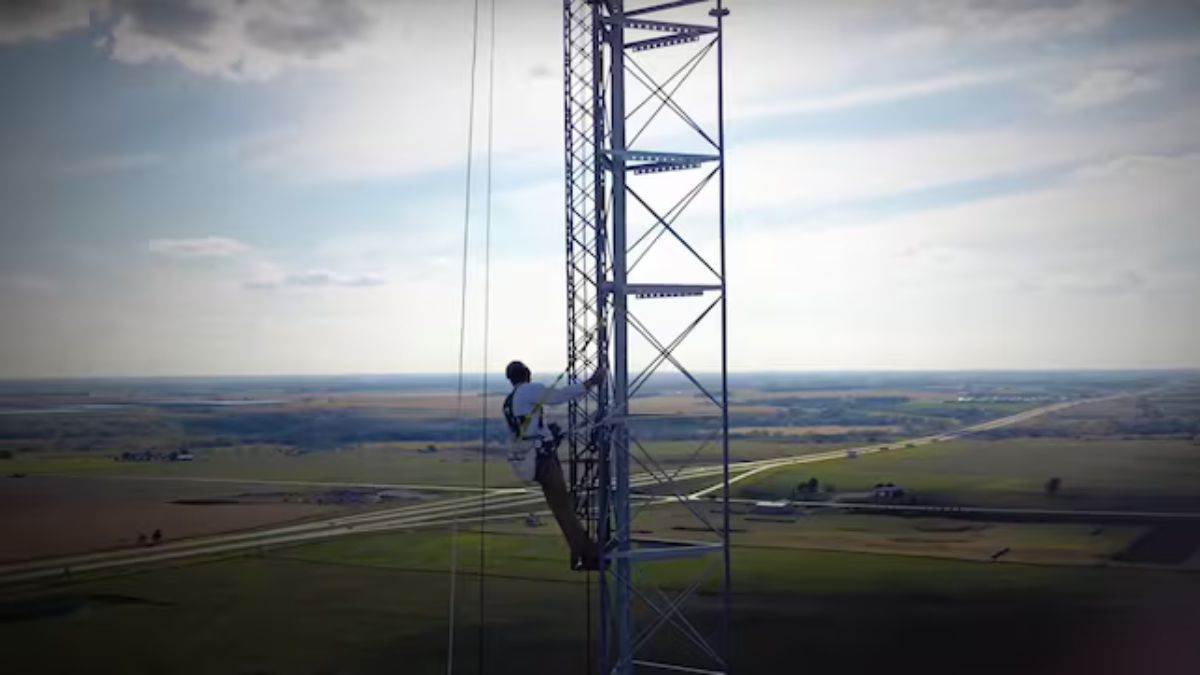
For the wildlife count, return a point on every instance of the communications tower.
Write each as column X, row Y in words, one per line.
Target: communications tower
column 646, row 294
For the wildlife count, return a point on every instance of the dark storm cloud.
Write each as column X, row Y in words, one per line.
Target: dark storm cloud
column 26, row 11
column 39, row 19
column 182, row 22
column 327, row 28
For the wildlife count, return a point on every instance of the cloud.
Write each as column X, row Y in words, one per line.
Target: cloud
column 1104, row 282
column 327, row 28
column 22, row 20
column 843, row 171
column 238, row 40
column 317, row 279
column 1092, row 78
column 181, row 22
column 876, row 95
column 1140, row 166
column 1094, row 271
column 199, row 247
column 991, row 22
column 1104, row 87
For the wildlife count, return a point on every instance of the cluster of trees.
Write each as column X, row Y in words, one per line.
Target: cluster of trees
column 811, row 488
column 154, row 456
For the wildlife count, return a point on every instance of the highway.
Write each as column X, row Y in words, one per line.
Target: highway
column 1008, row 512
column 504, row 503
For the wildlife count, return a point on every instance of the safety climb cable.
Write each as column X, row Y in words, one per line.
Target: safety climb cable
column 605, row 420
column 487, row 301
column 462, row 318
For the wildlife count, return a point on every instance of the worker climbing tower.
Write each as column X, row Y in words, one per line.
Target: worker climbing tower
column 645, row 258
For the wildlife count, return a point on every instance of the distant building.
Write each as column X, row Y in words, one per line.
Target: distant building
column 773, row 508
column 887, row 491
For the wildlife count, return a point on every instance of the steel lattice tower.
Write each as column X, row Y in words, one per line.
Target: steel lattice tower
column 611, row 195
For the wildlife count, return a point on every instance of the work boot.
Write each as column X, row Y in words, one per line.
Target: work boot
column 589, row 560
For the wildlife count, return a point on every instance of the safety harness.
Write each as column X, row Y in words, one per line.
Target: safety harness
column 518, row 424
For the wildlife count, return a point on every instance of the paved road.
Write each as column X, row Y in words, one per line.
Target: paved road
column 1065, row 514
column 754, row 468
column 501, row 504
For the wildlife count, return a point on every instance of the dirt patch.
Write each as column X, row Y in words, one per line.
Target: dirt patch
column 46, row 516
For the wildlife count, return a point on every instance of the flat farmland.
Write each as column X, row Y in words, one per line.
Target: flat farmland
column 288, row 611
column 1097, row 474
column 47, row 516
column 375, row 463
column 815, row 430
column 825, row 530
column 742, row 395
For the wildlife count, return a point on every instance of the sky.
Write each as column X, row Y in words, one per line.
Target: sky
column 224, row 187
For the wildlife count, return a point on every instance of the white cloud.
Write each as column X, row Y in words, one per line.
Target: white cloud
column 875, row 95
column 198, row 247
column 940, row 24
column 828, row 172
column 402, row 110
column 1071, row 81
column 1096, row 272
column 1141, row 166
column 1104, row 87
column 318, row 279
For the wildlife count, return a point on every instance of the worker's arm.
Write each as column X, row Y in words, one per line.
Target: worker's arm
column 572, row 392
column 561, row 395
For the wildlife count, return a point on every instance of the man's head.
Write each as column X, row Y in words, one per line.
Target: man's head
column 517, row 373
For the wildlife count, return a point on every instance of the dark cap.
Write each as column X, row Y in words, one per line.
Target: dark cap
column 517, row 372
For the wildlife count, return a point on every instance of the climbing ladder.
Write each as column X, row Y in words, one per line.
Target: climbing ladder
column 630, row 75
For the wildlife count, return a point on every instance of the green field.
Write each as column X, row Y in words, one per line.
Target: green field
column 376, row 463
column 1104, row 473
column 377, row 604
column 394, row 463
column 827, row 530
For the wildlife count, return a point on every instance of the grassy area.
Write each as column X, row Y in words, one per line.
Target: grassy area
column 1094, row 473
column 816, row 430
column 367, row 463
column 379, row 604
column 1042, row 543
